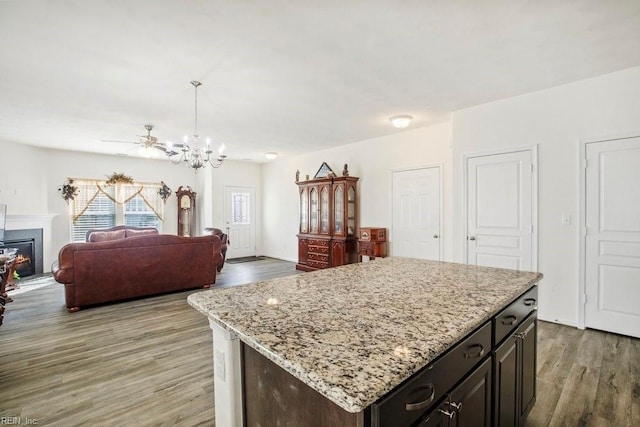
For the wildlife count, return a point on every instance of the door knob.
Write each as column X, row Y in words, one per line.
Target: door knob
column 435, row 236
column 471, row 237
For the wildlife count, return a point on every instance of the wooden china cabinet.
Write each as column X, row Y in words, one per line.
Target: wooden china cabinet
column 328, row 220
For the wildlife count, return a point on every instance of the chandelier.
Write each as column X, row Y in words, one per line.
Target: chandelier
column 192, row 152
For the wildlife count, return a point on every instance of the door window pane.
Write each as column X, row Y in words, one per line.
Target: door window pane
column 240, row 208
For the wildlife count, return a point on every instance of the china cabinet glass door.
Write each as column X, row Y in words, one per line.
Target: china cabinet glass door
column 351, row 211
column 324, row 210
column 304, row 211
column 313, row 198
column 339, row 210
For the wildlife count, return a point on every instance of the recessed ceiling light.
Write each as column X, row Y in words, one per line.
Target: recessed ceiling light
column 271, row 155
column 400, row 121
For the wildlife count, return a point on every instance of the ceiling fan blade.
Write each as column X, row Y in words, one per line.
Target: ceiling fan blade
column 119, row 141
column 164, row 149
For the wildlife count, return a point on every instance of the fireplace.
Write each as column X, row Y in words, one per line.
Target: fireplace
column 29, row 245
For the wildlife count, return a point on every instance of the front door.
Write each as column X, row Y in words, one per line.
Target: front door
column 416, row 209
column 612, row 244
column 500, row 195
column 240, row 213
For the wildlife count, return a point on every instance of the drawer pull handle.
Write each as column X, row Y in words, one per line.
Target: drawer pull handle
column 479, row 353
column 509, row 320
column 422, row 404
column 530, row 302
column 447, row 413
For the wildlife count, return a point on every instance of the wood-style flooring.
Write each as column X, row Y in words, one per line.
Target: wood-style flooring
column 586, row 378
column 149, row 362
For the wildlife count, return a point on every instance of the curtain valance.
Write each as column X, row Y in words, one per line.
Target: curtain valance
column 120, row 193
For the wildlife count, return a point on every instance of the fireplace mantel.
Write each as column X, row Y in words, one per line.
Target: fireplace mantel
column 18, row 222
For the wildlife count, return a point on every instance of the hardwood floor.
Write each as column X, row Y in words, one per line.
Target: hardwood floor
column 149, row 362
column 586, row 378
column 137, row 363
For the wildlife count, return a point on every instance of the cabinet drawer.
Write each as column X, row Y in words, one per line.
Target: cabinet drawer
column 368, row 251
column 318, row 257
column 318, row 242
column 317, row 264
column 512, row 316
column 366, row 248
column 411, row 400
column 318, row 249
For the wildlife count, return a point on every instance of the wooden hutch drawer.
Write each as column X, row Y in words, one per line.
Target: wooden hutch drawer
column 319, row 249
column 318, row 242
column 317, row 264
column 318, row 257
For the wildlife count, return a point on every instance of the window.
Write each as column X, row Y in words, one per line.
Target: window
column 97, row 205
column 240, row 208
column 138, row 214
column 100, row 213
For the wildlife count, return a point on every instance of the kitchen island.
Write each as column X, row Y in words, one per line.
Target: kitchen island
column 372, row 343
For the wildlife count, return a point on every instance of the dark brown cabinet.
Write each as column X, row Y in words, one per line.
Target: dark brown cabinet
column 515, row 375
column 328, row 222
column 468, row 405
column 437, row 383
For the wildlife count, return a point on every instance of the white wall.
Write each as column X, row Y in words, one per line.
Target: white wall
column 232, row 174
column 556, row 120
column 373, row 161
column 29, row 184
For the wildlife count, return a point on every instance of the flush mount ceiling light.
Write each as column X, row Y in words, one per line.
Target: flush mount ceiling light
column 400, row 121
column 271, row 155
column 191, row 151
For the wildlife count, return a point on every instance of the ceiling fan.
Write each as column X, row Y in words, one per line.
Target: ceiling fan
column 146, row 142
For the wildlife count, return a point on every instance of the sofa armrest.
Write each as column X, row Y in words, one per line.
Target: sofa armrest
column 62, row 269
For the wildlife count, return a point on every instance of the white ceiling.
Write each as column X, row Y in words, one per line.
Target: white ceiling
column 286, row 76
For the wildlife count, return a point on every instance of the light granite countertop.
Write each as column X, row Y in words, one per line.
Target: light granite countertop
column 353, row 333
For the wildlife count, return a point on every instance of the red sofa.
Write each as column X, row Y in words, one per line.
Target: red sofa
column 131, row 267
column 223, row 240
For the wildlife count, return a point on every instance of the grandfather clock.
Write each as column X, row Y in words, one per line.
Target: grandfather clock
column 186, row 211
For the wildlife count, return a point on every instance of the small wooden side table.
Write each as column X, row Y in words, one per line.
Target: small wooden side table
column 371, row 249
column 372, row 242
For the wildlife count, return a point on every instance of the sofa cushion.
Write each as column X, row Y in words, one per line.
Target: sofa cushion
column 105, row 236
column 131, row 232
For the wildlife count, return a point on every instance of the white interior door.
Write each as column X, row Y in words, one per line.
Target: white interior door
column 612, row 243
column 417, row 204
column 500, row 204
column 240, row 218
